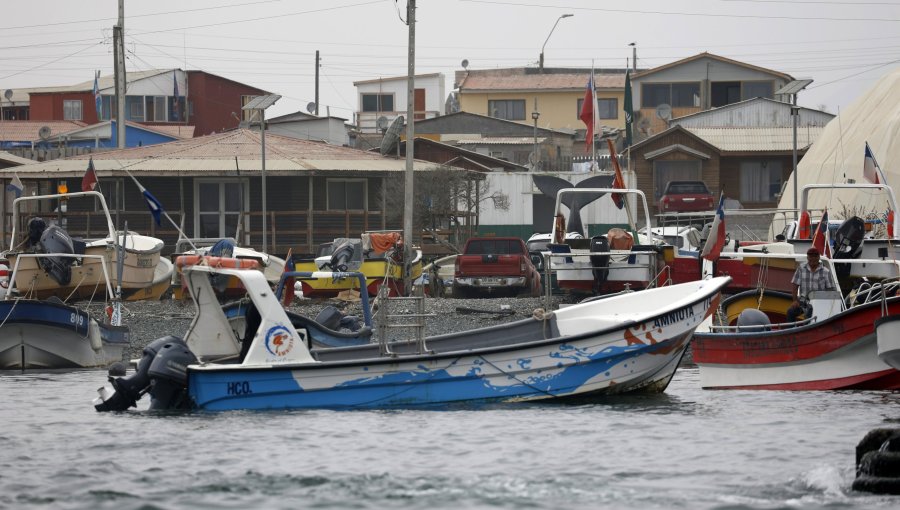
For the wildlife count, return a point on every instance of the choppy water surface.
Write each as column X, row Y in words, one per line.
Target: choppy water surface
column 687, row 448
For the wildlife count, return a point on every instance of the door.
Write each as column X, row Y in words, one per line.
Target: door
column 419, row 104
column 220, row 205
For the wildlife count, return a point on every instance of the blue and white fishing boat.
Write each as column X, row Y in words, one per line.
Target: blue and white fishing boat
column 51, row 334
column 627, row 343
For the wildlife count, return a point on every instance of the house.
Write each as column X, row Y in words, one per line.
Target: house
column 13, row 105
column 19, row 134
column 551, row 99
column 157, row 97
column 744, row 149
column 696, row 84
column 503, row 139
column 212, row 185
column 304, row 126
column 387, row 97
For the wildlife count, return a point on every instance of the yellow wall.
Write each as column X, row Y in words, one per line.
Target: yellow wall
column 558, row 109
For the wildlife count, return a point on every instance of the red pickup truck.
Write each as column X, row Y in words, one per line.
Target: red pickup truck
column 495, row 265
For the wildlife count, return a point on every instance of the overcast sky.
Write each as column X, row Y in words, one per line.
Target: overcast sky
column 845, row 46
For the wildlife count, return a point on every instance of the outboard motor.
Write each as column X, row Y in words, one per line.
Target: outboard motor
column 168, row 376
column 36, row 228
column 128, row 390
column 55, row 240
column 755, row 318
column 341, row 257
column 599, row 262
column 848, row 242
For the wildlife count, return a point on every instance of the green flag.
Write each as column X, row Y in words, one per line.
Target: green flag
column 629, row 113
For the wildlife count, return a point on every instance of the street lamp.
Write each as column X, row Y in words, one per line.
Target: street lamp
column 260, row 103
column 541, row 62
column 536, row 159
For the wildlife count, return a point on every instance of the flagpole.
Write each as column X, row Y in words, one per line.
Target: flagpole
column 594, row 163
column 163, row 211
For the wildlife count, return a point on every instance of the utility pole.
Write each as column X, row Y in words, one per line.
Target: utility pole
column 408, row 195
column 633, row 56
column 317, row 83
column 119, row 55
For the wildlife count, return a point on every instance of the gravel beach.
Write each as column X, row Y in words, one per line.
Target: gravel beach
column 149, row 320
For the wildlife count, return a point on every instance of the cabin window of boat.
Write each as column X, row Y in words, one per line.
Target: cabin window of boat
column 377, row 102
column 346, row 194
column 760, row 180
column 72, row 109
column 509, row 109
column 219, row 207
column 665, row 171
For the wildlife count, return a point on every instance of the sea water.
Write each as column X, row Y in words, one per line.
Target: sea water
column 685, row 448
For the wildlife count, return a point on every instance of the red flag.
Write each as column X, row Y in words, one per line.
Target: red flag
column 288, row 292
column 819, row 240
column 587, row 113
column 619, row 181
column 89, row 181
column 716, row 240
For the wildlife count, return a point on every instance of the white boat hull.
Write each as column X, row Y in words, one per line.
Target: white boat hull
column 887, row 331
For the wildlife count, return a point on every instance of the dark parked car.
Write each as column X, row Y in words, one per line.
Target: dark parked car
column 686, row 196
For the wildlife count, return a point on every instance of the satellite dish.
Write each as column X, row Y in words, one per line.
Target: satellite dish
column 392, row 136
column 664, row 111
column 465, row 63
column 382, row 123
column 311, row 107
column 8, row 94
column 44, row 132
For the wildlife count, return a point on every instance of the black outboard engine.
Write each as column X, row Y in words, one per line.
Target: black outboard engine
column 341, row 257
column 599, row 262
column 36, row 228
column 848, row 240
column 55, row 240
column 163, row 365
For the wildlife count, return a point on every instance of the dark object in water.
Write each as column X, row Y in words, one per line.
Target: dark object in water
column 878, row 462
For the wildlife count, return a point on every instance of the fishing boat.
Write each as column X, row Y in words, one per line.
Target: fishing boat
column 78, row 277
column 834, row 349
column 222, row 249
column 378, row 255
column 162, row 282
column 627, row 343
column 51, row 334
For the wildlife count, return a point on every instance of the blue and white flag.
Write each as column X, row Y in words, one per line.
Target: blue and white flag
column 16, row 186
column 98, row 104
column 156, row 208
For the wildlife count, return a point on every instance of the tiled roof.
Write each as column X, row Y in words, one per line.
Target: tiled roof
column 176, row 130
column 231, row 153
column 518, row 79
column 27, row 130
column 757, row 139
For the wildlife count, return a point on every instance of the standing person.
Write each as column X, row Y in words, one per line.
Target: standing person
column 807, row 278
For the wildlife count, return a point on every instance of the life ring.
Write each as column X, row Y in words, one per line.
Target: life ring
column 804, row 226
column 228, row 262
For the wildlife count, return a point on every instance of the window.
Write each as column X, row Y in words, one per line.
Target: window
column 685, row 94
column 346, row 194
column 666, row 171
column 760, row 181
column 107, row 107
column 655, row 94
column 726, row 92
column 377, row 102
column 176, row 109
column 608, row 108
column 219, row 207
column 134, row 108
column 72, row 109
column 753, row 89
column 509, row 109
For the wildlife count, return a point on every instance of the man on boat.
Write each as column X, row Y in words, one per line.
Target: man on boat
column 807, row 278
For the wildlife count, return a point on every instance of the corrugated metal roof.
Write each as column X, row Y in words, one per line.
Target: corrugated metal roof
column 517, row 79
column 13, row 159
column 104, row 82
column 232, row 153
column 499, row 140
column 757, row 139
column 27, row 130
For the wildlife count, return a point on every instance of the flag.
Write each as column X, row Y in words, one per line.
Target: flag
column 156, row 208
column 619, row 181
column 629, row 110
column 16, row 186
column 175, row 105
column 89, row 181
column 716, row 240
column 820, row 238
column 871, row 171
column 98, row 104
column 588, row 113
column 288, row 290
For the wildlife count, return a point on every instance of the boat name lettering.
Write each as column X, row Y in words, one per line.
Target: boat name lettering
column 145, row 262
column 673, row 317
column 279, row 340
column 76, row 319
column 239, row 388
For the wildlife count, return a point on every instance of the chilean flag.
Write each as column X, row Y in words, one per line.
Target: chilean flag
column 89, row 181
column 716, row 240
column 588, row 113
column 871, row 170
column 820, row 238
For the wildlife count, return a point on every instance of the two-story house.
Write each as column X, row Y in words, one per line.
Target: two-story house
column 387, row 97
